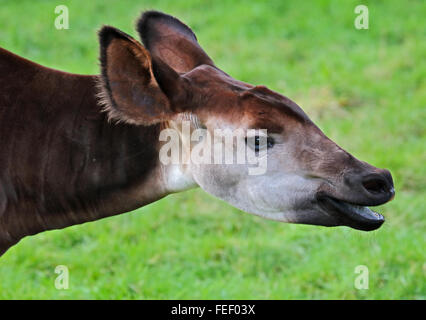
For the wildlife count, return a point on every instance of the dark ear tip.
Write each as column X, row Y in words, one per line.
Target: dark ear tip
column 144, row 25
column 108, row 33
column 153, row 14
column 146, row 16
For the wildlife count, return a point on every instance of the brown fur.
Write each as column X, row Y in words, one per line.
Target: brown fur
column 62, row 162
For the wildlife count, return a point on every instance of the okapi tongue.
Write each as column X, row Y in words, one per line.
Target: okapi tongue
column 358, row 217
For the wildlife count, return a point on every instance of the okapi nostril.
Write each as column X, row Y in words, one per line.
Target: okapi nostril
column 375, row 185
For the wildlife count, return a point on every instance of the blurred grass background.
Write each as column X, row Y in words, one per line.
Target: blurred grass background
column 364, row 88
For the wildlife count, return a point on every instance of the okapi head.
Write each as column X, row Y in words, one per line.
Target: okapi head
column 309, row 179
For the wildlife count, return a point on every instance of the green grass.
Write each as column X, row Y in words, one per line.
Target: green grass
column 366, row 90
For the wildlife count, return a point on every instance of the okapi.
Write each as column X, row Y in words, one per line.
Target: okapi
column 64, row 162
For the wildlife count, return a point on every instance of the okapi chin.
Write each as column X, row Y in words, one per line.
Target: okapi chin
column 79, row 148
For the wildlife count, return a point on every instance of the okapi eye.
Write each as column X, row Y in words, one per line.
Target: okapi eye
column 256, row 143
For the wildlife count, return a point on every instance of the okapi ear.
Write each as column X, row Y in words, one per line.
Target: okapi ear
column 172, row 41
column 128, row 87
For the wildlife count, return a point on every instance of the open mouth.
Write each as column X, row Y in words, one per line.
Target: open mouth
column 354, row 216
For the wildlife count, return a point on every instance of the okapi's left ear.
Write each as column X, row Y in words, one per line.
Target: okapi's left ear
column 129, row 85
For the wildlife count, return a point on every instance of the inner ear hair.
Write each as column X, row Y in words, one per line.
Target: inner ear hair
column 128, row 89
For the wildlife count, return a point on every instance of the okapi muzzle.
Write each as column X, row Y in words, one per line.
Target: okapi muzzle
column 79, row 148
